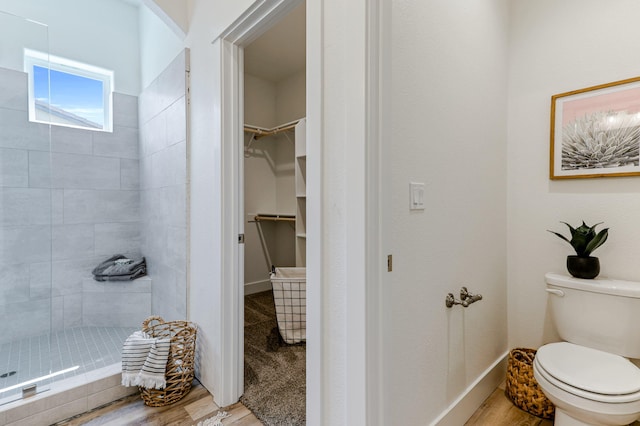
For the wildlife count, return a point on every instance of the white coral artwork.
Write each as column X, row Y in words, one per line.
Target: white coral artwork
column 601, row 140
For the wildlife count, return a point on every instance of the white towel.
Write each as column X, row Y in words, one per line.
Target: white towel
column 144, row 361
column 216, row 420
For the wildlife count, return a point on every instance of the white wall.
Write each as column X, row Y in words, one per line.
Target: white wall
column 290, row 102
column 98, row 32
column 290, row 105
column 558, row 47
column 259, row 102
column 208, row 20
column 177, row 11
column 448, row 128
column 259, row 178
column 337, row 131
column 269, row 174
column 285, row 175
column 448, row 125
column 158, row 46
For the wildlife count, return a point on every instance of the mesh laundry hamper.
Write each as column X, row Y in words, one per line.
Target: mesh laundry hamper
column 290, row 297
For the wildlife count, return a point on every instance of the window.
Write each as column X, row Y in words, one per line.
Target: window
column 68, row 93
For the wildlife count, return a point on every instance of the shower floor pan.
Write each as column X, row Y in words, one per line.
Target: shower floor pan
column 90, row 357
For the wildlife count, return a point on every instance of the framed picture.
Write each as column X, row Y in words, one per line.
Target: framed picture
column 595, row 132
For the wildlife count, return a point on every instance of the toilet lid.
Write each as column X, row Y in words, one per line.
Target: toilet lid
column 589, row 369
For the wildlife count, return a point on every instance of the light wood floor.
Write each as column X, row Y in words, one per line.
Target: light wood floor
column 498, row 410
column 198, row 405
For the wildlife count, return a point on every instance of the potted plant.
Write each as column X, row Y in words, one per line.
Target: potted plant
column 584, row 241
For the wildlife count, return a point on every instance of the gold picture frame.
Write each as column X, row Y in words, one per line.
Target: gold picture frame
column 595, row 132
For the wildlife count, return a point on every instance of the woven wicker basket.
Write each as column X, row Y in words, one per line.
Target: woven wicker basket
column 180, row 364
column 522, row 388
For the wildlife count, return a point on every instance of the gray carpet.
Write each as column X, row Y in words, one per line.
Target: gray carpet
column 274, row 376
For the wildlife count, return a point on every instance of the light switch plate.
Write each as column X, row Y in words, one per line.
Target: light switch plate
column 416, row 196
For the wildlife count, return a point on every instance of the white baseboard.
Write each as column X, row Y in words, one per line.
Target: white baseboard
column 257, row 287
column 470, row 400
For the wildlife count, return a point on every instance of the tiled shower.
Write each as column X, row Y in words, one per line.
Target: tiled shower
column 70, row 198
column 64, row 210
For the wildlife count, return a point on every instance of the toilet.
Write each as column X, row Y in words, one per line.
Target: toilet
column 589, row 376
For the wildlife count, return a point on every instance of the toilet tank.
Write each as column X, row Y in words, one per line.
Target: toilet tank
column 601, row 313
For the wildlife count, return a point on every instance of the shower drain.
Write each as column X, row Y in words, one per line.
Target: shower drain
column 5, row 375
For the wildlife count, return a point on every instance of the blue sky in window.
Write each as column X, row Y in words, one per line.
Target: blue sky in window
column 78, row 95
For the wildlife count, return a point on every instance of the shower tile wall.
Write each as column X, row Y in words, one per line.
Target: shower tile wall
column 163, row 187
column 87, row 188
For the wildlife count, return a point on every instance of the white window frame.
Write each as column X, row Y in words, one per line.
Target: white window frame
column 68, row 66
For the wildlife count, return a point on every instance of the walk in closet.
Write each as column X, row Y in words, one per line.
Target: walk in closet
column 275, row 204
column 275, row 198
column 275, row 152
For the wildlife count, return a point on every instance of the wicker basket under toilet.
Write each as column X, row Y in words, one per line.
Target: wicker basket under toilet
column 522, row 388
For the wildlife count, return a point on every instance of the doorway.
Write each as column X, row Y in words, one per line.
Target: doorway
column 256, row 21
column 274, row 197
column 330, row 98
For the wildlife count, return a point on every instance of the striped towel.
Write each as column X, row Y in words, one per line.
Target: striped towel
column 144, row 361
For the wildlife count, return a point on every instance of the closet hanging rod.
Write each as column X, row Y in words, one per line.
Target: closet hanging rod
column 275, row 217
column 262, row 132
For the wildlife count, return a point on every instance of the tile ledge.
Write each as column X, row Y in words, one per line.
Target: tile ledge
column 59, row 387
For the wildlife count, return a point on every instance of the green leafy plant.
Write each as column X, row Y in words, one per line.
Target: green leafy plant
column 584, row 239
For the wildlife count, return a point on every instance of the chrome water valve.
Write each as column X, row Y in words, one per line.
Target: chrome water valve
column 449, row 301
column 466, row 298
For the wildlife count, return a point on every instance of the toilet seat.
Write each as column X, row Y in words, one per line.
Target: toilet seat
column 589, row 373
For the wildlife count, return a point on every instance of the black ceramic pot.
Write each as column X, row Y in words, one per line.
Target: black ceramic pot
column 583, row 267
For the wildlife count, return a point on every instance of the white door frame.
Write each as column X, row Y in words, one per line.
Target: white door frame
column 363, row 384
column 249, row 26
